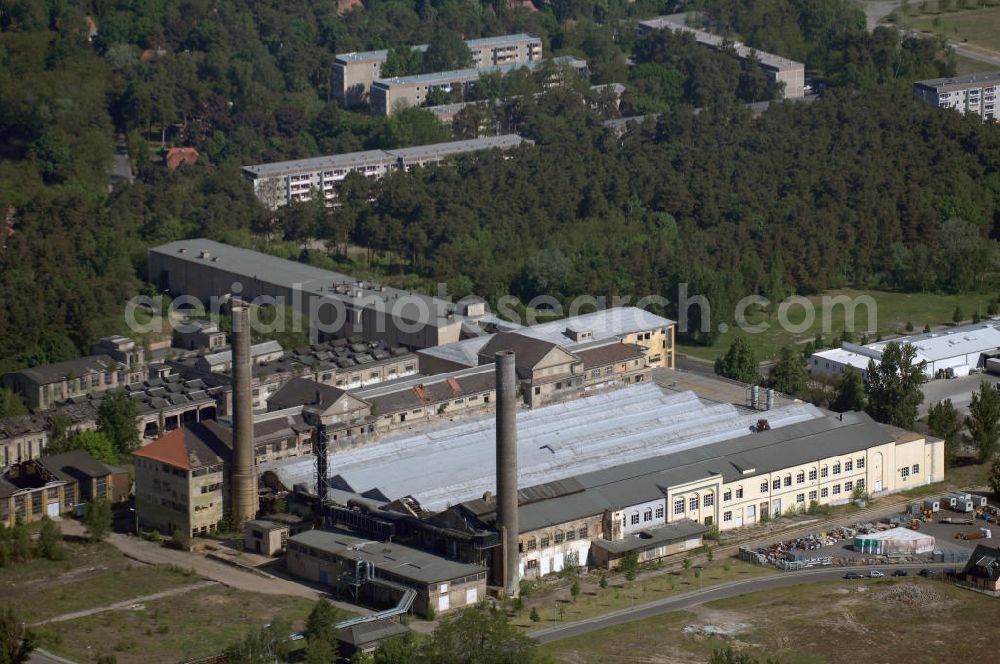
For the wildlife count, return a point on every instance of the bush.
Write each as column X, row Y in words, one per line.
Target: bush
column 534, row 615
column 180, row 540
column 525, row 588
column 603, row 583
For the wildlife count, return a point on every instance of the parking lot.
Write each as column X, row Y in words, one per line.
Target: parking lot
column 954, row 550
column 959, row 390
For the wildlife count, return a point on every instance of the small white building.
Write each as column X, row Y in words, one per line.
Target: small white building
column 960, row 349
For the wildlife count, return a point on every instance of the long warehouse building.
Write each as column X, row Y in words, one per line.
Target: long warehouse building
column 639, row 469
column 336, row 305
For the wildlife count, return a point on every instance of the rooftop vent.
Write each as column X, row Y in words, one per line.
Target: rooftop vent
column 182, row 250
column 204, row 254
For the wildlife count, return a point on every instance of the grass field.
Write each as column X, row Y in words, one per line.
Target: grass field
column 913, row 621
column 172, row 629
column 91, row 575
column 556, row 604
column 978, row 28
column 891, row 312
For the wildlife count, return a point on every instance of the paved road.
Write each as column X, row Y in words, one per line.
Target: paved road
column 697, row 597
column 39, row 656
column 126, row 604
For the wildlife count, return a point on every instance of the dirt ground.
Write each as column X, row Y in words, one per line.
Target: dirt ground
column 912, row 620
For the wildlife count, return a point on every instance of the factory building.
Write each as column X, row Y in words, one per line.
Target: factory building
column 389, row 95
column 353, row 73
column 181, row 483
column 634, row 470
column 336, row 305
column 280, row 183
column 954, row 352
column 584, row 333
column 57, row 484
column 974, row 93
column 777, row 68
column 333, row 558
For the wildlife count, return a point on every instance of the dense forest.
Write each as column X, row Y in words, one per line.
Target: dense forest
column 863, row 188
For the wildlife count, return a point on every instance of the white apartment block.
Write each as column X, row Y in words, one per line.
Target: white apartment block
column 975, row 93
column 280, row 183
column 353, row 73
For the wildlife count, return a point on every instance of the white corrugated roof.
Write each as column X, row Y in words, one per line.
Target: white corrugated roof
column 452, row 463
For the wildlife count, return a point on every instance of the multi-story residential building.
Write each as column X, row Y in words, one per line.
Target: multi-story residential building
column 777, row 68
column 180, row 481
column 353, row 73
column 279, row 183
column 975, row 93
column 388, row 95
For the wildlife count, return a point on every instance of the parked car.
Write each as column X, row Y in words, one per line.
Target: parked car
column 875, row 574
column 854, row 575
column 900, row 572
column 927, row 572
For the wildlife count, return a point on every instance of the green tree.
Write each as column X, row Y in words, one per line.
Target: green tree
column 20, row 541
column 402, row 61
column 319, row 651
column 97, row 519
column 574, row 590
column 397, row 650
column 322, row 623
column 994, row 478
column 446, row 51
column 116, row 419
column 893, row 385
column 629, row 565
column 958, row 316
column 739, row 363
column 944, row 421
column 49, row 544
column 266, row 645
column 603, row 582
column 96, row 443
column 16, row 641
column 729, row 655
column 788, row 375
column 534, row 615
column 11, row 404
column 850, row 394
column 983, row 420
column 478, row 634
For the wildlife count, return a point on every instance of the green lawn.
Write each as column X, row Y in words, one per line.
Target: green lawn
column 979, row 28
column 913, row 621
column 172, row 629
column 90, row 575
column 556, row 604
column 891, row 312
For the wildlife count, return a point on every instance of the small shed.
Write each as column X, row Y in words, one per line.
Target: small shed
column 365, row 637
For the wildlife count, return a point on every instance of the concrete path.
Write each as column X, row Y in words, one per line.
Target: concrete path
column 126, row 604
column 233, row 577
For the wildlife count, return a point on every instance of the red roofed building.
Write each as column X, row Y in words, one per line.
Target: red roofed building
column 176, row 157
column 181, row 481
column 522, row 4
column 344, row 6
